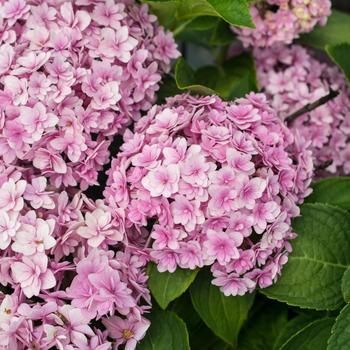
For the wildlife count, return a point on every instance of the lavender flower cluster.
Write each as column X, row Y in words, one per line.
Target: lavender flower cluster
column 282, row 21
column 292, row 77
column 202, row 182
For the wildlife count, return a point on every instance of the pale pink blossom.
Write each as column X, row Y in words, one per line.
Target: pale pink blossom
column 37, row 195
column 117, row 43
column 99, row 228
column 9, row 225
column 223, row 246
column 125, row 331
column 187, row 213
column 162, row 181
column 11, row 195
column 33, row 275
column 33, row 239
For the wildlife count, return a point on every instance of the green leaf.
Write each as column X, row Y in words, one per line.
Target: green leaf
column 186, row 80
column 261, row 330
column 340, row 55
column 165, row 12
column 292, row 327
column 239, row 77
column 340, row 338
column 234, row 12
column 167, row 331
column 336, row 31
column 223, row 315
column 167, row 88
column 236, row 78
column 333, row 190
column 201, row 337
column 222, row 34
column 345, row 285
column 312, row 277
column 313, row 337
column 166, row 286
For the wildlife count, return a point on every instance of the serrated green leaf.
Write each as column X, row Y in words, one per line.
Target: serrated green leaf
column 223, row 315
column 345, row 285
column 340, row 55
column 167, row 331
column 313, row 336
column 336, row 31
column 166, row 287
column 333, row 190
column 340, row 338
column 261, row 331
column 312, row 277
column 292, row 327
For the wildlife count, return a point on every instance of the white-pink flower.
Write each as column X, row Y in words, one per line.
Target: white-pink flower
column 37, row 195
column 98, row 228
column 117, row 43
column 32, row 239
column 222, row 246
column 9, row 225
column 33, row 275
column 187, row 213
column 125, row 331
column 163, row 180
column 11, row 195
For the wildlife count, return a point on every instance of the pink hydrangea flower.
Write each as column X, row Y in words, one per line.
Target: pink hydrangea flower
column 99, row 228
column 282, row 21
column 33, row 239
column 73, row 76
column 126, row 332
column 37, row 241
column 199, row 176
column 33, row 275
column 293, row 77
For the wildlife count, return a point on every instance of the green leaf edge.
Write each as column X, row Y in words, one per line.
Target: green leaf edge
column 165, row 305
column 328, row 48
column 345, row 308
column 301, row 330
column 262, row 291
column 195, row 88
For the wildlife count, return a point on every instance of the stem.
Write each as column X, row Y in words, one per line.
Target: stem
column 311, row 106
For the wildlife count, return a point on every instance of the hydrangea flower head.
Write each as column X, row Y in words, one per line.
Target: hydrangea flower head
column 282, row 21
column 293, row 77
column 65, row 265
column 72, row 75
column 205, row 182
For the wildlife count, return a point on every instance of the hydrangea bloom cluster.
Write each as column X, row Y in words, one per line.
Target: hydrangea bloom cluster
column 67, row 279
column 281, row 21
column 291, row 77
column 205, row 182
column 72, row 74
